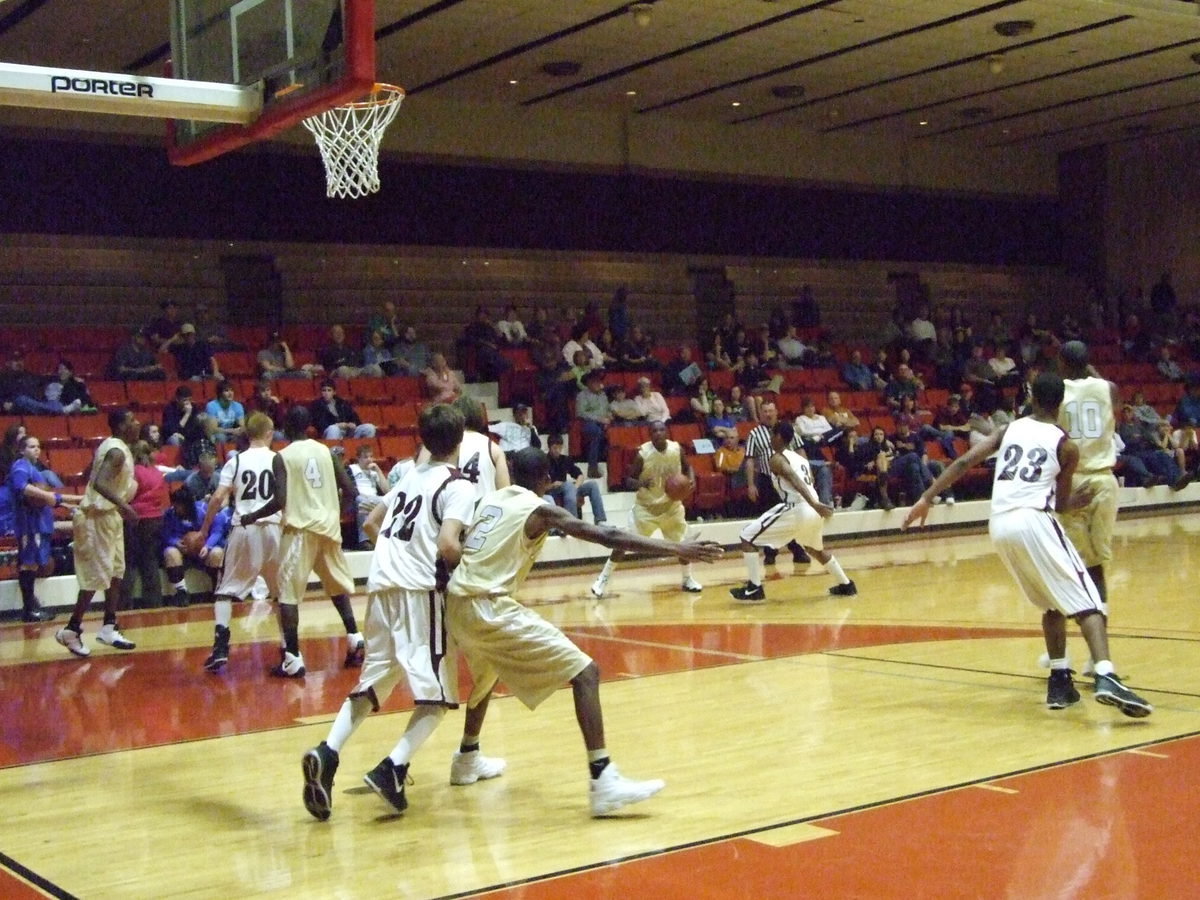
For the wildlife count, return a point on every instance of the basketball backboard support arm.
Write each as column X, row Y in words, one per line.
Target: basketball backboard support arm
column 44, row 87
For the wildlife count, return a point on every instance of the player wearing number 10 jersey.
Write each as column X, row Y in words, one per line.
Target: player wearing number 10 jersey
column 1034, row 466
column 1088, row 415
column 417, row 531
column 255, row 481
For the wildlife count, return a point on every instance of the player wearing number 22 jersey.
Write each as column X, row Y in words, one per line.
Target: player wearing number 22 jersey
column 418, row 533
column 1035, row 461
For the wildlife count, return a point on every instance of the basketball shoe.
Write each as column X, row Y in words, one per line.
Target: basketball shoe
column 1060, row 689
column 612, row 790
column 109, row 634
column 220, row 652
column 387, row 780
column 844, row 590
column 473, row 766
column 319, row 765
column 1111, row 692
column 356, row 654
column 599, row 586
column 291, row 665
column 691, row 585
column 72, row 639
column 749, row 593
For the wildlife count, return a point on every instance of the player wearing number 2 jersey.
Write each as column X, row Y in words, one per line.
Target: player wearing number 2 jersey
column 504, row 641
column 417, row 532
column 1034, row 467
column 255, row 481
column 1088, row 415
column 312, row 541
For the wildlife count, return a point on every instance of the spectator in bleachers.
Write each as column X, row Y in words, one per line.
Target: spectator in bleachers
column 135, row 361
column 997, row 332
column 581, row 339
column 33, row 495
column 608, row 349
column 858, row 375
column 793, row 353
column 335, row 418
column 1184, row 438
column 22, row 391
column 372, row 486
column 441, row 384
column 979, row 373
column 1146, row 414
column 479, row 349
column 276, row 361
column 735, row 406
column 1187, row 410
column 881, row 368
column 568, row 484
column 163, row 330
column 921, row 332
column 519, row 433
column 762, row 345
column 539, row 330
column 556, row 385
column 618, row 315
column 511, row 328
column 68, row 391
column 581, row 365
column 903, row 384
column 837, row 415
column 635, row 353
column 911, row 464
column 952, row 419
column 813, row 432
column 700, row 400
column 730, row 459
column 184, row 517
column 650, row 403
column 224, row 417
column 1004, row 367
column 1135, row 339
column 265, row 402
column 718, row 424
column 592, row 410
column 872, row 458
column 340, row 360
column 384, row 320
column 1139, row 445
column 1161, row 436
column 755, row 378
column 379, row 355
column 716, row 357
column 624, row 409
column 205, row 479
column 1166, row 365
column 739, row 345
column 143, row 536
column 182, row 425
column 681, row 373
column 194, row 360
column 410, row 353
column 777, row 322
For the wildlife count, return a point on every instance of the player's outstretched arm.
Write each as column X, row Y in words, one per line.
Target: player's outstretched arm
column 951, row 474
column 546, row 517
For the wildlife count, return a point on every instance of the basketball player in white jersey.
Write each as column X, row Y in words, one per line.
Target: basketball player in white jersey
column 255, row 480
column 656, row 461
column 504, row 641
column 100, row 537
column 418, row 535
column 480, row 459
column 1034, row 466
column 799, row 516
column 312, row 540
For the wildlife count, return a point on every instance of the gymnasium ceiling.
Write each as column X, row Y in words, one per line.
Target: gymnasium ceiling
column 1070, row 73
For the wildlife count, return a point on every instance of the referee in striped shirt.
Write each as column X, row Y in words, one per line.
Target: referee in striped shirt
column 758, row 479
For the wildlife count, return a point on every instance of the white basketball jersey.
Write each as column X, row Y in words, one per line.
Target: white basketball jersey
column 406, row 553
column 1087, row 416
column 1027, row 466
column 475, row 462
column 784, row 488
column 251, row 474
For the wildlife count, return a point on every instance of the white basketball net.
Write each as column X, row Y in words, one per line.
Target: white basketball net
column 348, row 137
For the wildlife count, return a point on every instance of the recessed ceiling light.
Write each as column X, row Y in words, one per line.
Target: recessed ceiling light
column 512, row 81
column 631, row 93
column 736, row 103
column 923, row 122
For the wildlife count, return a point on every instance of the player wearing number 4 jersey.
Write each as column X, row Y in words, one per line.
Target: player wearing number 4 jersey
column 417, row 532
column 504, row 641
column 1034, row 467
column 256, row 481
column 480, row 459
column 312, row 540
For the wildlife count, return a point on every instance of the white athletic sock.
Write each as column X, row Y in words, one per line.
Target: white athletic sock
column 352, row 714
column 687, row 571
column 1059, row 664
column 1104, row 667
column 354, row 638
column 421, row 724
column 223, row 611
column 754, row 566
column 834, row 568
column 607, row 570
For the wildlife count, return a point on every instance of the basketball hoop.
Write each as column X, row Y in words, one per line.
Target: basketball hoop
column 348, row 137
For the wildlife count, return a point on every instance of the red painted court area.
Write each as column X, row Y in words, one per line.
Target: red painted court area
column 1084, row 829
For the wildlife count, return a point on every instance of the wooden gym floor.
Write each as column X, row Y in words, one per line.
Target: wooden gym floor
column 893, row 744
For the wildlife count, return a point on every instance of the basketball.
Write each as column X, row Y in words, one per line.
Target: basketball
column 678, row 487
column 191, row 543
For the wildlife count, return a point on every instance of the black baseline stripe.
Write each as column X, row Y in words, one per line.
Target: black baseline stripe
column 34, row 878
